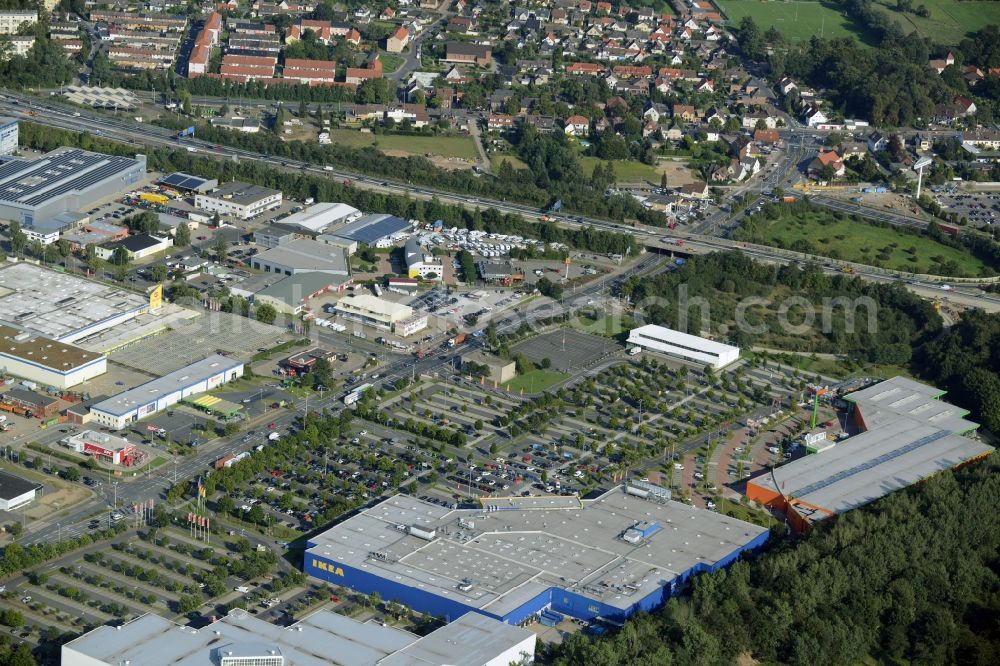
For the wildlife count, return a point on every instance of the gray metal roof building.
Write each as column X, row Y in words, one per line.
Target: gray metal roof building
column 64, row 180
column 908, row 434
column 519, row 555
column 372, row 229
column 302, row 255
column 322, row 639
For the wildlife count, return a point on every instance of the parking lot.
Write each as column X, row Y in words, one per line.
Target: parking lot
column 977, row 209
column 567, row 348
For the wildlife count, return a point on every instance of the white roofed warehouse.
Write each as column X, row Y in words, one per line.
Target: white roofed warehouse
column 324, row 638
column 519, row 556
column 154, row 396
column 683, row 345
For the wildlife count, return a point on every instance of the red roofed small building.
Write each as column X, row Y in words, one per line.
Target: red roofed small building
column 632, row 71
column 591, row 68
column 577, row 126
column 310, row 71
column 398, row 40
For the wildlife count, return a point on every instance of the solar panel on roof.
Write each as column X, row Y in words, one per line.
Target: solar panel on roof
column 874, row 462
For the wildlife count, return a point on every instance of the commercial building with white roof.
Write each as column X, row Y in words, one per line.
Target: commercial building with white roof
column 155, row 396
column 516, row 557
column 906, row 435
column 373, row 311
column 318, row 217
column 62, row 306
column 684, row 345
column 321, row 639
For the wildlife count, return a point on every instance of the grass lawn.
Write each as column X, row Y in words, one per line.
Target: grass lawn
column 390, row 61
column 628, row 171
column 950, row 21
column 537, row 380
column 867, row 244
column 157, row 461
column 497, row 158
column 608, row 325
column 797, row 21
column 446, row 146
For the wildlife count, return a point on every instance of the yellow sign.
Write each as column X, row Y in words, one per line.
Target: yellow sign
column 156, row 297
column 323, row 566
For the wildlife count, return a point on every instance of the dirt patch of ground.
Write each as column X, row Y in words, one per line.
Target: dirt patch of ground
column 454, row 163
column 56, row 500
column 677, row 172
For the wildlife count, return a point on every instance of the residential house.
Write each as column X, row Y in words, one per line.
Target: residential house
column 826, row 158
column 696, row 190
column 577, row 126
column 877, row 142
column 398, row 40
column 685, row 112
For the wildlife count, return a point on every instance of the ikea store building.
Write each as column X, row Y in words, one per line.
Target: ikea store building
column 514, row 558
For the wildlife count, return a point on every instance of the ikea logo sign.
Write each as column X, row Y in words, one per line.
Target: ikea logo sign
column 329, row 568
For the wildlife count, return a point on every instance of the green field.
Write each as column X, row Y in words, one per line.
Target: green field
column 949, row 20
column 496, row 159
column 446, row 146
column 628, row 171
column 537, row 380
column 608, row 325
column 868, row 244
column 797, row 21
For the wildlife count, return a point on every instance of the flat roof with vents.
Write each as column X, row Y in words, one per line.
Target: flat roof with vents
column 62, row 306
column 180, row 380
column 42, row 351
column 514, row 549
column 908, row 435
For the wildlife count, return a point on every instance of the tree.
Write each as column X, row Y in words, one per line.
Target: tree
column 468, row 266
column 231, row 428
column 279, row 119
column 72, row 474
column 18, row 239
column 221, row 247
column 158, row 273
column 266, row 313
column 182, row 235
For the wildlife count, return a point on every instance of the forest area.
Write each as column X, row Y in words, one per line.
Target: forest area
column 910, row 579
column 870, row 322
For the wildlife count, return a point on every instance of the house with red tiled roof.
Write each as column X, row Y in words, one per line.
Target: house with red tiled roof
column 577, row 126
column 398, row 40
column 310, row 71
column 590, row 68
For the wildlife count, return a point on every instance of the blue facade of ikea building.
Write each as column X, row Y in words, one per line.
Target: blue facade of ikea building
column 558, row 599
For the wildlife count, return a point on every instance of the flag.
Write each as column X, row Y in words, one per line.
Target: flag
column 190, row 517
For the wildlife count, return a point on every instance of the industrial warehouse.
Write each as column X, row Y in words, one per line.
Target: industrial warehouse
column 64, row 180
column 60, row 306
column 683, row 345
column 626, row 551
column 46, row 361
column 323, row 638
column 154, row 396
column 906, row 435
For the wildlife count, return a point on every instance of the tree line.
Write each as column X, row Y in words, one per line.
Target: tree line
column 868, row 321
